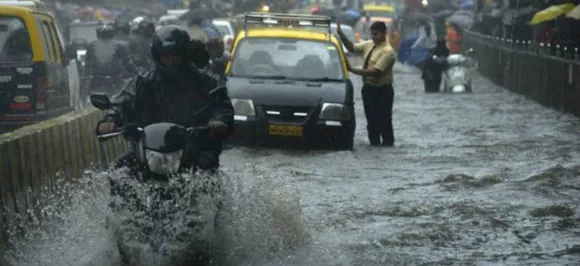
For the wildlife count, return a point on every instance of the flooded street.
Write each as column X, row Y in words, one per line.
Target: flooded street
column 479, row 178
column 473, row 179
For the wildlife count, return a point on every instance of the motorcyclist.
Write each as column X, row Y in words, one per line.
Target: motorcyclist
column 197, row 31
column 202, row 57
column 218, row 57
column 107, row 58
column 173, row 91
column 142, row 33
column 123, row 29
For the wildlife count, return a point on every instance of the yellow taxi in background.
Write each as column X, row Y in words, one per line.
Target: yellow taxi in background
column 34, row 69
column 384, row 13
column 288, row 82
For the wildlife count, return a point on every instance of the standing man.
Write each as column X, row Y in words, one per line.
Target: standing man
column 377, row 74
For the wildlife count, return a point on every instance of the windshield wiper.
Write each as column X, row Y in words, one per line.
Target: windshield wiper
column 324, row 79
column 280, row 77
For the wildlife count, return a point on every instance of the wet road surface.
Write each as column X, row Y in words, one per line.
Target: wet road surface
column 473, row 179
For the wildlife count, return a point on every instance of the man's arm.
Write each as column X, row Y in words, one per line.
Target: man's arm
column 353, row 48
column 385, row 61
column 222, row 110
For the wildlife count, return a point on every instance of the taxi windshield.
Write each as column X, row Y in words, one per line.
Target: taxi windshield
column 14, row 41
column 287, row 58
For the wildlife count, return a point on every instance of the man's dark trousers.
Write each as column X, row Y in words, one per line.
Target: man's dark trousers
column 378, row 104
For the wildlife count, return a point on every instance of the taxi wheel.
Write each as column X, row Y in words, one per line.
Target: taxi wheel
column 346, row 143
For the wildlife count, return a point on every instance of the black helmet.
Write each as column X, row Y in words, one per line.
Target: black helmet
column 144, row 27
column 171, row 48
column 105, row 30
column 122, row 26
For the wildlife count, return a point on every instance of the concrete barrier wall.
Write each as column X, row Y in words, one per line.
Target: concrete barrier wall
column 37, row 157
column 526, row 69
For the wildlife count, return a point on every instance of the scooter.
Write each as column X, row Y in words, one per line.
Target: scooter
column 164, row 152
column 457, row 77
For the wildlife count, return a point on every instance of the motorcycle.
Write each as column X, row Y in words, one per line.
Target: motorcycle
column 164, row 153
column 457, row 77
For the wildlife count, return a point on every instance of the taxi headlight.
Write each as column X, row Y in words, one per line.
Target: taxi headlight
column 335, row 111
column 243, row 107
column 163, row 163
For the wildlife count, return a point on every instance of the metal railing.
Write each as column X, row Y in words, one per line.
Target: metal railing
column 527, row 69
column 565, row 50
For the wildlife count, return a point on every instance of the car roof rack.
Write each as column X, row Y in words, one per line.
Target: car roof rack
column 296, row 20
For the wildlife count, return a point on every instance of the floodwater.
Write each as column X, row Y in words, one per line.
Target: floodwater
column 473, row 179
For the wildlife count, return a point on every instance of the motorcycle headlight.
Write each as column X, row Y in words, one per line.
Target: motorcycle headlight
column 163, row 163
column 243, row 107
column 334, row 111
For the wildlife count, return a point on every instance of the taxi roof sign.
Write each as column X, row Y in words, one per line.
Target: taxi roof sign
column 281, row 19
column 32, row 4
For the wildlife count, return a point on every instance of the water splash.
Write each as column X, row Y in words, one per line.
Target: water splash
column 72, row 224
column 260, row 220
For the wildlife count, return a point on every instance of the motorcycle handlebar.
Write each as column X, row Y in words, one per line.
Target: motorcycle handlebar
column 119, row 131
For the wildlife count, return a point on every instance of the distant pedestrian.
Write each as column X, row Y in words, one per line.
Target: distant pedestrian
column 377, row 73
column 453, row 39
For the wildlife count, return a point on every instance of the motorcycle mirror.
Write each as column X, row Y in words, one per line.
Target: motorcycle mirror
column 100, row 101
column 218, row 93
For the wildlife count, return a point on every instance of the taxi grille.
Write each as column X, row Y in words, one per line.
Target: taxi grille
column 287, row 114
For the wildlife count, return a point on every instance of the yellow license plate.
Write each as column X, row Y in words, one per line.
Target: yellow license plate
column 280, row 130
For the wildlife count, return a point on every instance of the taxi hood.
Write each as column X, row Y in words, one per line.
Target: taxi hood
column 287, row 92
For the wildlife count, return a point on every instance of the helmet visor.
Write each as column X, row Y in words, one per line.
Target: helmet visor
column 170, row 58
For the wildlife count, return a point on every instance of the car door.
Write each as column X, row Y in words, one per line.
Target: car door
column 58, row 87
column 70, row 69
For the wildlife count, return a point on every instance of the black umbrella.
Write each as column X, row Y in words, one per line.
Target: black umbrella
column 443, row 14
column 201, row 13
column 347, row 19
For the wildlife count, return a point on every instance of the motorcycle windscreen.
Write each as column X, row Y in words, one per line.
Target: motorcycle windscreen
column 165, row 137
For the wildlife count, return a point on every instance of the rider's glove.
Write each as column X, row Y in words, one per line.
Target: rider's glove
column 130, row 131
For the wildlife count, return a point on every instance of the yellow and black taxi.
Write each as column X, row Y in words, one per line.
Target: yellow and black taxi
column 376, row 12
column 288, row 82
column 34, row 69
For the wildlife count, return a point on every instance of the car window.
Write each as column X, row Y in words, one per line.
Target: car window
column 46, row 43
column 223, row 29
column 54, row 40
column 14, row 40
column 286, row 58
